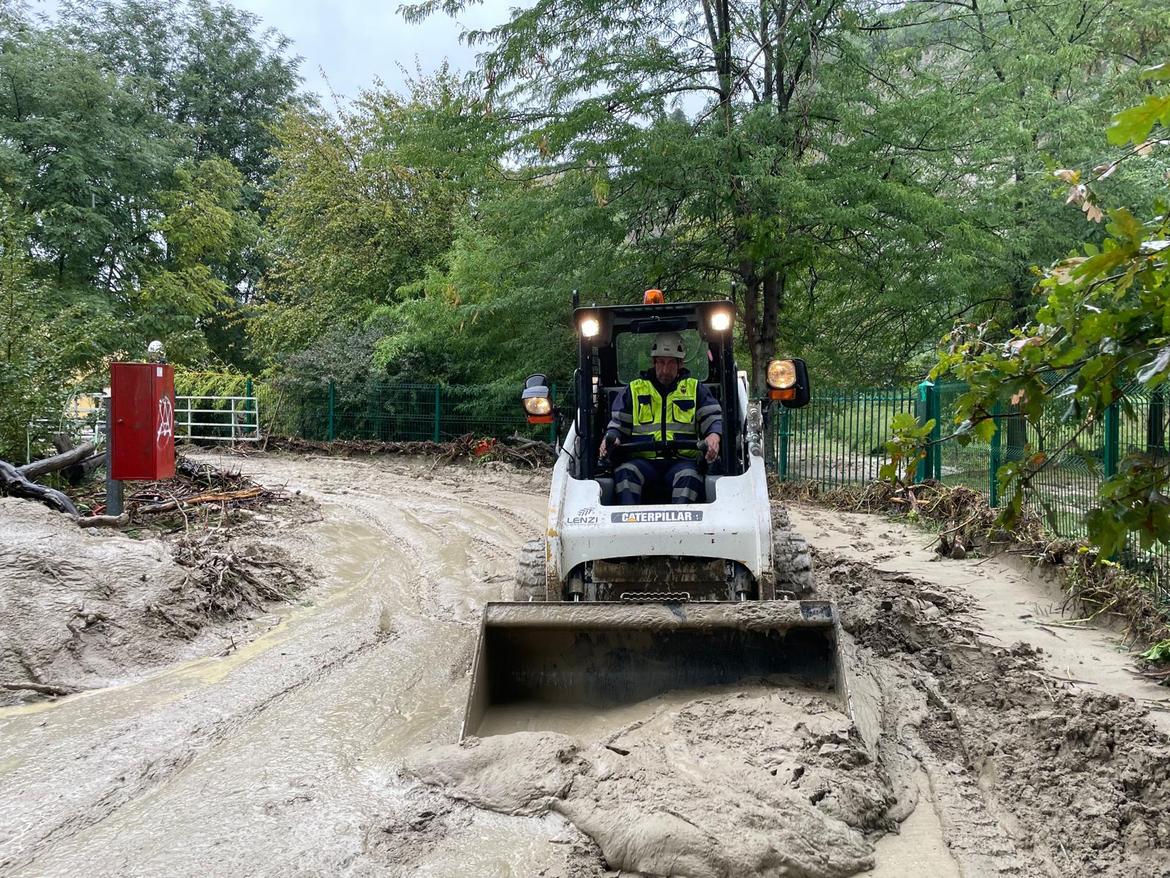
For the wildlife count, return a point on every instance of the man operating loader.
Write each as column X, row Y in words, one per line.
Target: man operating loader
column 664, row 404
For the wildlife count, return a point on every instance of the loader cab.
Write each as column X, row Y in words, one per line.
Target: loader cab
column 614, row 348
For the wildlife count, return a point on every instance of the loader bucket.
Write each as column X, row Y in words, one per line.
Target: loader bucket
column 608, row 654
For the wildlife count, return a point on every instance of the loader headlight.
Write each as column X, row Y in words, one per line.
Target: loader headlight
column 781, row 374
column 788, row 383
column 590, row 327
column 536, row 399
column 720, row 321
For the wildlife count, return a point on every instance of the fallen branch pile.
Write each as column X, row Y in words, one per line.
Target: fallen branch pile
column 226, row 580
column 194, row 484
column 515, row 450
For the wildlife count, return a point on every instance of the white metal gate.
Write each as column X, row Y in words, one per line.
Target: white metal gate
column 197, row 418
column 217, row 418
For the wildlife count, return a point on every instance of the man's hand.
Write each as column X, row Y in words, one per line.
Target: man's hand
column 602, row 451
column 712, row 447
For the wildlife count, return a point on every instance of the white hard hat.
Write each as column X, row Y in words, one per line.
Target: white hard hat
column 668, row 344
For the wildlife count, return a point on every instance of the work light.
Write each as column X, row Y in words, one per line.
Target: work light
column 590, row 327
column 536, row 400
column 720, row 321
column 781, row 374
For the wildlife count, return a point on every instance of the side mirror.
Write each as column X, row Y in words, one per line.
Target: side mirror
column 535, row 398
column 788, row 383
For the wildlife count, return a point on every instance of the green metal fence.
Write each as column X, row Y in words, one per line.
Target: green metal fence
column 398, row 412
column 839, row 439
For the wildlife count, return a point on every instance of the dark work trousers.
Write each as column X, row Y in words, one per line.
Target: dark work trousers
column 681, row 476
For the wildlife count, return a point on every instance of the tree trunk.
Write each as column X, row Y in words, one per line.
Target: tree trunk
column 13, row 482
column 68, row 457
column 762, row 301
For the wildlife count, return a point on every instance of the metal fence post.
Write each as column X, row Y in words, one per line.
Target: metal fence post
column 330, row 430
column 926, row 407
column 1112, row 440
column 782, row 434
column 936, row 432
column 993, row 461
column 438, row 410
column 250, row 406
column 113, row 486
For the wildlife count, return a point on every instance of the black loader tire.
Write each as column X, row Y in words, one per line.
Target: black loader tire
column 530, row 585
column 791, row 560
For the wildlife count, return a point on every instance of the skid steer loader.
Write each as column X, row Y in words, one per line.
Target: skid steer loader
column 617, row 603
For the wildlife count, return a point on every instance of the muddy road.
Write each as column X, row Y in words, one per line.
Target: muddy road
column 320, row 740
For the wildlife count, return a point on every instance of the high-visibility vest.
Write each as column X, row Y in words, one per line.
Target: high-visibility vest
column 659, row 420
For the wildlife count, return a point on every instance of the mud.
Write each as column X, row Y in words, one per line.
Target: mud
column 322, row 742
column 84, row 609
column 1030, row 770
column 752, row 783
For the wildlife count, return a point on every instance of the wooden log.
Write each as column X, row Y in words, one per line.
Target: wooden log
column 14, row 482
column 67, row 458
column 105, row 520
column 40, row 688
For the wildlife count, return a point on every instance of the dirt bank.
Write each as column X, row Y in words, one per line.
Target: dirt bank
column 86, row 608
column 325, row 746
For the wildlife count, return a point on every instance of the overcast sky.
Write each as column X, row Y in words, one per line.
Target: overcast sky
column 354, row 42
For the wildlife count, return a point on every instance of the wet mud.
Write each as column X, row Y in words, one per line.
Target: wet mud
column 751, row 783
column 85, row 609
column 324, row 742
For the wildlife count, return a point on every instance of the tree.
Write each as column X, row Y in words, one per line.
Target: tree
column 1039, row 82
column 754, row 143
column 222, row 81
column 1101, row 330
column 364, row 203
column 31, row 342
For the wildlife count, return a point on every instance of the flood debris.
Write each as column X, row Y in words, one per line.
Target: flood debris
column 516, row 450
column 225, row 579
column 195, row 484
column 1095, row 588
column 81, row 608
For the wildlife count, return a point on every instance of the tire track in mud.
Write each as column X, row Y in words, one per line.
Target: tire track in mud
column 1031, row 774
column 441, row 514
column 138, row 780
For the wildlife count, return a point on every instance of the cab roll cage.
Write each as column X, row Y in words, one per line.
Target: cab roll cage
column 720, row 345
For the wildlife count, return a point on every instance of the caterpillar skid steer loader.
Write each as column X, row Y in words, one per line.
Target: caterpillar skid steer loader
column 618, row 603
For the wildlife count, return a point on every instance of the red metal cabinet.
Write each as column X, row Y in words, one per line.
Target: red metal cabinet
column 143, row 400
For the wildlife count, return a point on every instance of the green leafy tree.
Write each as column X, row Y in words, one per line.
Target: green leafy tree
column 222, row 81
column 1035, row 85
column 748, row 143
column 30, row 338
column 363, row 203
column 1101, row 330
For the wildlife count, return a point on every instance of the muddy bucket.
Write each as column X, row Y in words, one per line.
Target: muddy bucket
column 607, row 654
